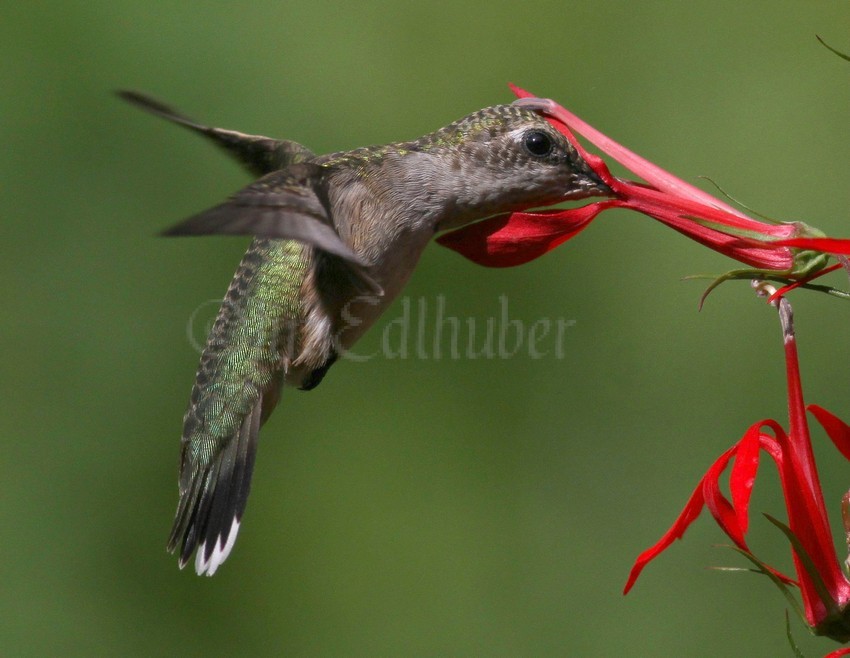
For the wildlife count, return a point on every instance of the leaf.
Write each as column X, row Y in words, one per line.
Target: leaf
column 808, row 564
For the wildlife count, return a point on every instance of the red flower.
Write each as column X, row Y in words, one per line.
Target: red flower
column 824, row 587
column 514, row 239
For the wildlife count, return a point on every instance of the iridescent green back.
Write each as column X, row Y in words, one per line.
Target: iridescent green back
column 257, row 322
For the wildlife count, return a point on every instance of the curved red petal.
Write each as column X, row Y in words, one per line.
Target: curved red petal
column 515, row 239
column 836, row 429
column 784, row 290
column 743, row 475
column 719, row 506
column 688, row 515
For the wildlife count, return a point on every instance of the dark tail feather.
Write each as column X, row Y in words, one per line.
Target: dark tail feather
column 210, row 510
column 261, row 155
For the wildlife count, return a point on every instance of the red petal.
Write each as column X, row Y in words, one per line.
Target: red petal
column 837, row 653
column 826, row 245
column 519, row 92
column 708, row 214
column 719, row 506
column 689, row 515
column 743, row 475
column 745, row 251
column 837, row 429
column 509, row 240
column 748, row 240
column 784, row 290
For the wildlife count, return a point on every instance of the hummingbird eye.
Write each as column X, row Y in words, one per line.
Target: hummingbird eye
column 538, row 143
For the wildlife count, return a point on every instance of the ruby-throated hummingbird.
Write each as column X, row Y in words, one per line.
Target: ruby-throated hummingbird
column 336, row 238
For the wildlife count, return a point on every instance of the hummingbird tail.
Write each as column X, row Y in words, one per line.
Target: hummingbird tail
column 211, row 507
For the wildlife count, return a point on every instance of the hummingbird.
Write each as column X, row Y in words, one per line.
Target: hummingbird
column 335, row 239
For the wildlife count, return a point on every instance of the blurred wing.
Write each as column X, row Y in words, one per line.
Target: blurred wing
column 259, row 154
column 284, row 205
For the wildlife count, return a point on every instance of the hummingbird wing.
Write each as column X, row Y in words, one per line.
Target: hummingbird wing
column 260, row 155
column 284, row 205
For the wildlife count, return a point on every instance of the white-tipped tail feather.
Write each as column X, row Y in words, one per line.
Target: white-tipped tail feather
column 212, row 499
column 221, row 550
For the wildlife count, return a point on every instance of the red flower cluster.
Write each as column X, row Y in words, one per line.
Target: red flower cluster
column 824, row 586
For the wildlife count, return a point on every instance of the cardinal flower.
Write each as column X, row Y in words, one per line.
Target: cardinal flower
column 824, row 587
column 792, row 250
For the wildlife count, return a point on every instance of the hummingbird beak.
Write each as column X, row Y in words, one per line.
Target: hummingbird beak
column 586, row 182
column 596, row 186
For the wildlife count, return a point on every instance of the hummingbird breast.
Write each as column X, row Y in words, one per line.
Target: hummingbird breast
column 388, row 231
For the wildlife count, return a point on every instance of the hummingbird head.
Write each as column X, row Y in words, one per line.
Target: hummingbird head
column 505, row 158
column 496, row 160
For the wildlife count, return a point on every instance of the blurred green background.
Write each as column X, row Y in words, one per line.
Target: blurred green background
column 407, row 507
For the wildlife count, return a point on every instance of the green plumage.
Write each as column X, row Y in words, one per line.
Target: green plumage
column 256, row 324
column 256, row 331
